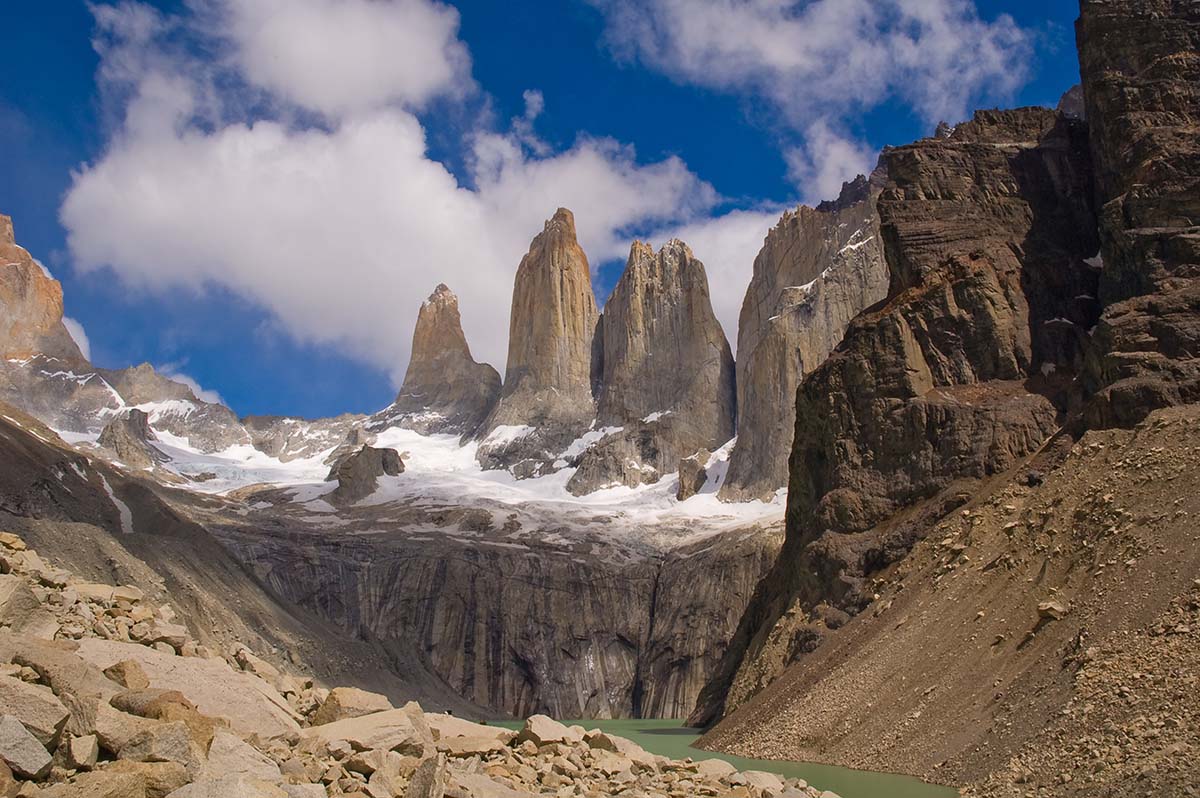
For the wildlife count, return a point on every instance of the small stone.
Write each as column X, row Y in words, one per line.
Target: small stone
column 82, row 752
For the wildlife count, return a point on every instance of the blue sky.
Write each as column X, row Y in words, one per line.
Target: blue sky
column 128, row 132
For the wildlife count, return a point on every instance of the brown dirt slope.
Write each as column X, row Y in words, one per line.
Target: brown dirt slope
column 960, row 661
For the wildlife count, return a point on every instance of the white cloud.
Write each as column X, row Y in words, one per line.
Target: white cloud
column 828, row 61
column 339, row 232
column 826, row 161
column 171, row 372
column 75, row 329
column 342, row 56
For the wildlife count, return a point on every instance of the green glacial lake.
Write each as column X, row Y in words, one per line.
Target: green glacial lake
column 671, row 739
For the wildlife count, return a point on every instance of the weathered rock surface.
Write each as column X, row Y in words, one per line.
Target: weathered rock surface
column 295, row 438
column 964, row 369
column 350, row 702
column 445, row 390
column 668, row 377
column 817, row 270
column 358, row 475
column 547, row 400
column 31, row 306
column 1141, row 77
column 572, row 628
column 130, row 439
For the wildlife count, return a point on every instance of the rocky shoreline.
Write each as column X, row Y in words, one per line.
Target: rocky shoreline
column 104, row 696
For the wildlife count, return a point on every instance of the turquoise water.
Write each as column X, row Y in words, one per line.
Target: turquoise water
column 671, row 739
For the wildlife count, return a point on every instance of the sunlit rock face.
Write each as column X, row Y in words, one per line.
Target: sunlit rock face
column 667, row 384
column 817, row 270
column 445, row 391
column 547, row 400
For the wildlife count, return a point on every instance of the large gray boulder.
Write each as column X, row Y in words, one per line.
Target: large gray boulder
column 547, row 399
column 668, row 374
column 358, row 475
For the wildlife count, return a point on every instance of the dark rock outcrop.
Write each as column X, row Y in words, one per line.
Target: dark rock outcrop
column 445, row 391
column 358, row 474
column 668, row 377
column 966, row 367
column 817, row 270
column 131, row 440
column 547, row 401
column 693, row 475
column 1140, row 61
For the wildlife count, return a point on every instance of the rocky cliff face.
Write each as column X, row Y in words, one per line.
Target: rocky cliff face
column 667, row 389
column 515, row 618
column 445, row 390
column 547, row 400
column 817, row 270
column 31, row 306
column 1141, row 71
column 175, row 409
column 966, row 367
column 130, row 439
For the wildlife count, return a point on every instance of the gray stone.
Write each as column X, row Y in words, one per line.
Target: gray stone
column 21, row 750
column 36, row 707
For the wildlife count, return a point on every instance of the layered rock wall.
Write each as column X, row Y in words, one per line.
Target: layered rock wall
column 1140, row 61
column 966, row 367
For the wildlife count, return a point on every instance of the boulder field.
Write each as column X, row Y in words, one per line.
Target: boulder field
column 104, row 695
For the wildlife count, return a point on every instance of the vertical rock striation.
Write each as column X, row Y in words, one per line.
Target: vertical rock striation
column 966, row 367
column 1140, row 61
column 547, row 400
column 667, row 386
column 817, row 270
column 445, row 391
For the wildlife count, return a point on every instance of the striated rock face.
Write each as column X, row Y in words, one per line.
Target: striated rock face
column 31, row 306
column 445, row 390
column 668, row 376
column 129, row 438
column 358, row 474
column 547, row 399
column 964, row 369
column 817, row 270
column 573, row 627
column 1140, row 61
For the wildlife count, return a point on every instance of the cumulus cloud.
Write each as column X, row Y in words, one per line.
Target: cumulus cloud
column 828, row 59
column 827, row 160
column 75, row 329
column 343, row 56
column 340, row 230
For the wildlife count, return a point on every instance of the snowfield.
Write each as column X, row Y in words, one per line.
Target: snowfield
column 440, row 471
